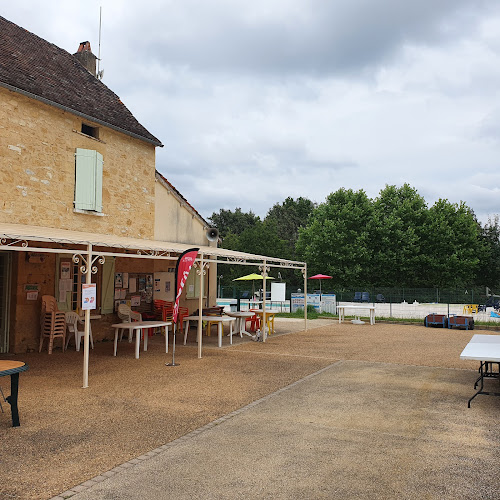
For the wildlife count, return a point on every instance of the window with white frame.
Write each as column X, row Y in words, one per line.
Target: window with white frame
column 88, row 180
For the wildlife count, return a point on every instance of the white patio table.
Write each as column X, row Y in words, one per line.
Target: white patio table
column 138, row 327
column 214, row 319
column 241, row 317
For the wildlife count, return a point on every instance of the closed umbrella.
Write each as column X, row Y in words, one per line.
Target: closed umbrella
column 320, row 277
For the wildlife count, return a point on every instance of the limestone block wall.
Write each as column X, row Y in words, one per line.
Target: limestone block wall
column 37, row 171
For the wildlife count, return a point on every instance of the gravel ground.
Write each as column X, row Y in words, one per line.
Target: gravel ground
column 69, row 435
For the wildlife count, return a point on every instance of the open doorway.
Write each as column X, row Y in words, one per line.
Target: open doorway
column 4, row 301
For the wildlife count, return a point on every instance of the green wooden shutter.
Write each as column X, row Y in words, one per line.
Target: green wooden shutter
column 108, row 286
column 88, row 180
column 98, row 182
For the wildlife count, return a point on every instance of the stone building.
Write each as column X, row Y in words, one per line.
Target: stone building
column 74, row 159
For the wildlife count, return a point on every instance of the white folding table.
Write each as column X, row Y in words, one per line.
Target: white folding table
column 342, row 307
column 138, row 327
column 486, row 350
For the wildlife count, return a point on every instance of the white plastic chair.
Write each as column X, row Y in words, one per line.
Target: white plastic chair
column 72, row 322
column 127, row 316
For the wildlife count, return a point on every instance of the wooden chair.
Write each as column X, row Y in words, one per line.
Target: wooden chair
column 72, row 322
column 53, row 326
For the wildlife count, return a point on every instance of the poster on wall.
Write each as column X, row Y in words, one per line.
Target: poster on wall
column 125, row 280
column 142, row 283
column 65, row 269
column 89, row 296
column 118, row 280
column 135, row 300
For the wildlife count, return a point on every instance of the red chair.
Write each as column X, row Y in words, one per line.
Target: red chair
column 183, row 313
column 254, row 321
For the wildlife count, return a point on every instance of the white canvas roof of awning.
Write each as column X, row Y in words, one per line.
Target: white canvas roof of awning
column 12, row 237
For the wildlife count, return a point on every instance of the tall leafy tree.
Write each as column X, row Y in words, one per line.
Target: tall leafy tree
column 260, row 239
column 453, row 245
column 236, row 222
column 336, row 240
column 289, row 217
column 396, row 232
column 488, row 272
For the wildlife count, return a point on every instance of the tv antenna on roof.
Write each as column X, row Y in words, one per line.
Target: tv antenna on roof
column 100, row 72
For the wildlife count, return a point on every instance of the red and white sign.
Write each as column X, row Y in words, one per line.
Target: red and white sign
column 184, row 265
column 89, row 296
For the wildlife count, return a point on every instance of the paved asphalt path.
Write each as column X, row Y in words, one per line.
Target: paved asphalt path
column 352, row 430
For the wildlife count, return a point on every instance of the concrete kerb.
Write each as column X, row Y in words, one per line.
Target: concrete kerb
column 135, row 461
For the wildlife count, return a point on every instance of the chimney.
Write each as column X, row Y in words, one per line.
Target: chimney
column 86, row 58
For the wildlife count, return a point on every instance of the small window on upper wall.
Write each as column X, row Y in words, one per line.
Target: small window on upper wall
column 91, row 131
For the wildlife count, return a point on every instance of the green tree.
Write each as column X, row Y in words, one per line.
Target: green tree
column 336, row 240
column 453, row 245
column 261, row 239
column 236, row 222
column 289, row 217
column 396, row 232
column 488, row 273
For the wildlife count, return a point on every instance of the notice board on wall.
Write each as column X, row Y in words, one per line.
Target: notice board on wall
column 135, row 290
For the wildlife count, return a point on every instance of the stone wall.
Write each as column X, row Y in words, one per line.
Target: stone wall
column 37, row 175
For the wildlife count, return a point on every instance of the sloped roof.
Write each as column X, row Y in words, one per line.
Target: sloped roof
column 43, row 71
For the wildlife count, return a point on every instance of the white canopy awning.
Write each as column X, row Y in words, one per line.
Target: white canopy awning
column 20, row 237
column 90, row 247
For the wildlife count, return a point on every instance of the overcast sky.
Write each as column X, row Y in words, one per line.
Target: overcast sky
column 258, row 100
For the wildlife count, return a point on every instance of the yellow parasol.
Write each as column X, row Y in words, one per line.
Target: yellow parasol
column 253, row 277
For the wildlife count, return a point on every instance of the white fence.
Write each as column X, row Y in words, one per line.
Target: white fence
column 417, row 310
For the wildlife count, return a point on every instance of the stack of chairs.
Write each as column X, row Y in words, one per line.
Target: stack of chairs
column 52, row 323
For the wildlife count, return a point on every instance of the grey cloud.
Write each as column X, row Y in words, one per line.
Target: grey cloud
column 327, row 38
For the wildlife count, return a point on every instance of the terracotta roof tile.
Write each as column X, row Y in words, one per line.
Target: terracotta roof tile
column 33, row 65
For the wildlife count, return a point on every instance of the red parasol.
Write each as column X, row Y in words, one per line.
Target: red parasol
column 320, row 277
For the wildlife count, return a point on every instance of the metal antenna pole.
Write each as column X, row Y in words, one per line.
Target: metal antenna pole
column 99, row 51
